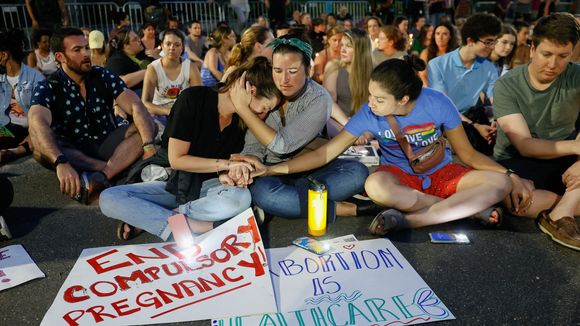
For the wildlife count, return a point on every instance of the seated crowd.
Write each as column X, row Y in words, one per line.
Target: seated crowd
column 150, row 126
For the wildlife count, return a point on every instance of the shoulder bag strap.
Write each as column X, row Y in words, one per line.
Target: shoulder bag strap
column 399, row 135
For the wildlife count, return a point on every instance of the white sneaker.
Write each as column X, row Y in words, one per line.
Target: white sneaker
column 259, row 214
column 4, row 231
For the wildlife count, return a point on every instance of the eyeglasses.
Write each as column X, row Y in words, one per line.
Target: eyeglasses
column 488, row 44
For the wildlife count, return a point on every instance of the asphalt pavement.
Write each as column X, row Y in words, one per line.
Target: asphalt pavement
column 514, row 275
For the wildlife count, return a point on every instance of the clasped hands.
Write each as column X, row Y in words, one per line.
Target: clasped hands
column 243, row 174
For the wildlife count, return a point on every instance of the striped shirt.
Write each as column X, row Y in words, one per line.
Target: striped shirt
column 304, row 120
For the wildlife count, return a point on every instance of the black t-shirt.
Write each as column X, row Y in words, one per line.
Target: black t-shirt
column 120, row 64
column 194, row 118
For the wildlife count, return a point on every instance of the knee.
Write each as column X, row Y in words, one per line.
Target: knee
column 243, row 197
column 109, row 200
column 500, row 183
column 376, row 187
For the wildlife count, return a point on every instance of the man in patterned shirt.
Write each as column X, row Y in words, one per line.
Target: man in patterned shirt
column 73, row 125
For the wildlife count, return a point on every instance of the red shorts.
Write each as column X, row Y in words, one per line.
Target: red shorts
column 443, row 182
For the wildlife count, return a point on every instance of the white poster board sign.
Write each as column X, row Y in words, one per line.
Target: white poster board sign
column 360, row 283
column 16, row 267
column 159, row 283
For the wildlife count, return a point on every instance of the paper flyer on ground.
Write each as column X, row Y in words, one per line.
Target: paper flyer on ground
column 16, row 267
column 359, row 283
column 157, row 283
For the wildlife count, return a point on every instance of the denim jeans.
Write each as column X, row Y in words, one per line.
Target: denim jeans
column 147, row 205
column 287, row 196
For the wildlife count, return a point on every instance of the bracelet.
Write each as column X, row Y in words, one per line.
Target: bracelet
column 148, row 146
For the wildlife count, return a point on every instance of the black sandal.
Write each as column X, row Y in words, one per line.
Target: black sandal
column 132, row 233
column 388, row 220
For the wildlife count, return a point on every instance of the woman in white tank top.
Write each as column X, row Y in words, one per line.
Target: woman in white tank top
column 42, row 58
column 167, row 77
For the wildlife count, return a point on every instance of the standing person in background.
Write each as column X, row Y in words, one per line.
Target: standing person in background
column 444, row 40
column 347, row 79
column 276, row 10
column 100, row 51
column 121, row 22
column 167, row 77
column 17, row 84
column 253, row 43
column 49, row 14
column 42, row 57
column 242, row 10
column 151, row 43
column 195, row 43
column 222, row 39
column 331, row 52
column 436, row 10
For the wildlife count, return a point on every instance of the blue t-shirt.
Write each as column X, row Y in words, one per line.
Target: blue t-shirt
column 433, row 113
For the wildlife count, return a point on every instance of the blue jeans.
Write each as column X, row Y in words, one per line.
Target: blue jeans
column 287, row 196
column 147, row 205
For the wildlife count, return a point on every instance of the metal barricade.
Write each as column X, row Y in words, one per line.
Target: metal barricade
column 209, row 14
column 98, row 15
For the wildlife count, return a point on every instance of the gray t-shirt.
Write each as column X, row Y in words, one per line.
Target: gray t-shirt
column 550, row 114
column 304, row 120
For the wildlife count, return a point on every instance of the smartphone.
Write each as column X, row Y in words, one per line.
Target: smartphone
column 446, row 237
column 312, row 245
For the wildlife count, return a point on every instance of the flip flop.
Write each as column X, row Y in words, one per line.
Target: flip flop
column 387, row 221
column 485, row 216
column 132, row 233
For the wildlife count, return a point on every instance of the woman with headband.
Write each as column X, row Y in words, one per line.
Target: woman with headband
column 288, row 131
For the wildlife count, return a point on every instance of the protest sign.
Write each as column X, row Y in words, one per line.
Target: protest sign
column 160, row 283
column 16, row 267
column 360, row 283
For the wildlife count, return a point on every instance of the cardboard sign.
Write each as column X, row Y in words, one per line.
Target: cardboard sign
column 16, row 267
column 161, row 283
column 360, row 283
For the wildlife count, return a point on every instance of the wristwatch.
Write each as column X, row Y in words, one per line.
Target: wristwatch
column 60, row 159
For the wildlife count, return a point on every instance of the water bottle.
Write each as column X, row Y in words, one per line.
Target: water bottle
column 317, row 195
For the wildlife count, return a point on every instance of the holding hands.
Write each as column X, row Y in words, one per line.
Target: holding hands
column 243, row 174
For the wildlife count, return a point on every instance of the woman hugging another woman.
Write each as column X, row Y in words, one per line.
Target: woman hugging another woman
column 202, row 131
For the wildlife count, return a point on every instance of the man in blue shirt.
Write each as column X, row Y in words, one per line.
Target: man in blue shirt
column 73, row 126
column 465, row 73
